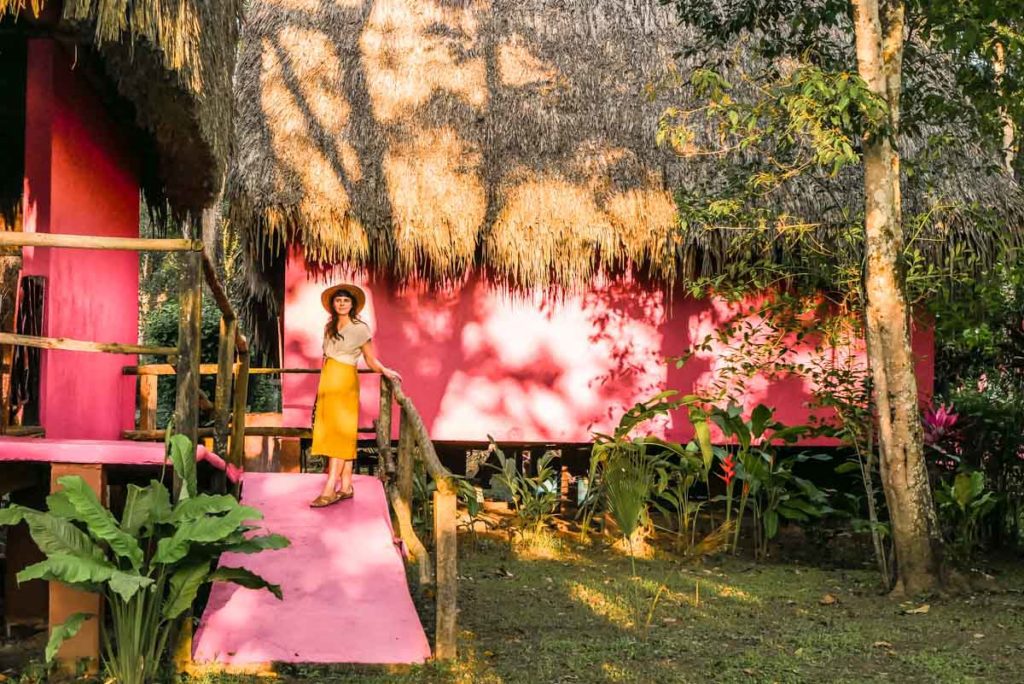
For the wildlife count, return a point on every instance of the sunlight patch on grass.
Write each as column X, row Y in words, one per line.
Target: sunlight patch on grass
column 613, row 609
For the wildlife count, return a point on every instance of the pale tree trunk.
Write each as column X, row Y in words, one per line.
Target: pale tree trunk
column 1009, row 129
column 879, row 36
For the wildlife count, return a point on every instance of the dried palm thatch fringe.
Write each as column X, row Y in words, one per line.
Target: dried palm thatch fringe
column 428, row 138
column 173, row 61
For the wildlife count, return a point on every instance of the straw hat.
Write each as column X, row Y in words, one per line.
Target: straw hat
column 356, row 292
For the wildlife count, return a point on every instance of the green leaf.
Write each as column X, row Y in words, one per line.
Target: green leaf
column 202, row 505
column 74, row 570
column 771, row 524
column 847, row 467
column 13, row 515
column 245, row 578
column 204, row 530
column 183, row 458
column 759, row 419
column 145, row 507
column 58, row 535
column 126, row 584
column 65, row 630
column 58, row 504
column 184, row 585
column 99, row 520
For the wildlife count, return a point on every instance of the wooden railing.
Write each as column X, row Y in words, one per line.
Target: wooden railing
column 414, row 443
column 395, row 467
column 233, row 362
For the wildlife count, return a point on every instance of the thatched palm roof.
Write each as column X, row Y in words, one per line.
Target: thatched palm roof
column 169, row 64
column 426, row 137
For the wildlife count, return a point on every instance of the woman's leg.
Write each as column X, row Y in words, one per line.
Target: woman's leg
column 334, row 470
column 345, row 481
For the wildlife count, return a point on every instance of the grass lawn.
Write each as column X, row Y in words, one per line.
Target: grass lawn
column 570, row 618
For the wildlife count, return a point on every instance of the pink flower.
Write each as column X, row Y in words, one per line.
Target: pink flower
column 938, row 423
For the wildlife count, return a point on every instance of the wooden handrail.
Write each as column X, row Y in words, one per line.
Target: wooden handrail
column 413, row 440
column 211, row 369
column 20, row 239
column 68, row 344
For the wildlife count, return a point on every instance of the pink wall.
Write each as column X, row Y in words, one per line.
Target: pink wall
column 80, row 178
column 478, row 362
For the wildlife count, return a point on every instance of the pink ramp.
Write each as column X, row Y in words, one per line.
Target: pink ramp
column 346, row 597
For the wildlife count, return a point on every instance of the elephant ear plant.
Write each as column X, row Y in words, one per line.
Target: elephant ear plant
column 148, row 566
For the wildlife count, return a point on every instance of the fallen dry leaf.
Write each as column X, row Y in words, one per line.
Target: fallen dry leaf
column 881, row 644
column 920, row 610
column 828, row 600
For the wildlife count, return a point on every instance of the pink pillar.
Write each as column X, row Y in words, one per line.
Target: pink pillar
column 81, row 177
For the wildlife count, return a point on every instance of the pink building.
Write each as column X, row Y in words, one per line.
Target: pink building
column 88, row 128
column 489, row 172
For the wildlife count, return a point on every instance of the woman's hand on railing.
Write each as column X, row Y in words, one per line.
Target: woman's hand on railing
column 391, row 374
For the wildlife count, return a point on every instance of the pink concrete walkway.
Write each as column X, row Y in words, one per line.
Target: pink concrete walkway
column 346, row 598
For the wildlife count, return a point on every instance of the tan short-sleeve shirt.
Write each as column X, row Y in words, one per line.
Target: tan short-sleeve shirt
column 348, row 347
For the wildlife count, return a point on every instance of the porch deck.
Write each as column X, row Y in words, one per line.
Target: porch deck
column 346, row 595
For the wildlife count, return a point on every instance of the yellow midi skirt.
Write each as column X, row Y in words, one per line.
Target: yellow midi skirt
column 336, row 423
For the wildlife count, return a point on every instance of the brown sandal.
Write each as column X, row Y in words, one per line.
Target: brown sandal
column 345, row 495
column 323, row 501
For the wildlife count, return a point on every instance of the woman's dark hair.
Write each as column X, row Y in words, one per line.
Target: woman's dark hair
column 331, row 329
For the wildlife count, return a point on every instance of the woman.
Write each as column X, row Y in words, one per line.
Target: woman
column 336, row 419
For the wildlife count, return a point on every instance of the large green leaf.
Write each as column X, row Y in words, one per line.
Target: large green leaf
column 703, row 433
column 202, row 505
column 58, row 504
column 205, row 530
column 145, row 507
column 183, row 458
column 245, row 578
column 58, row 535
column 184, row 586
column 65, row 630
column 99, row 520
column 127, row 584
column 74, row 570
column 759, row 420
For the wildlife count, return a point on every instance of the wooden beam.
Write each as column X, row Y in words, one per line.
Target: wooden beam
column 222, row 395
column 13, row 239
column 211, row 369
column 190, row 301
column 445, row 546
column 83, row 345
column 147, row 402
column 409, row 414
column 241, row 399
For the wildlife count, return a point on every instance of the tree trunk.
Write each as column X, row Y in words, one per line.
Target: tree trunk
column 1009, row 129
column 904, row 475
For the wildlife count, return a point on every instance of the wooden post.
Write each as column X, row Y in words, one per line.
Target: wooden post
column 190, row 299
column 64, row 601
column 222, row 395
column 240, row 401
column 401, row 502
column 445, row 547
column 147, row 401
column 10, row 270
column 385, row 459
column 563, row 489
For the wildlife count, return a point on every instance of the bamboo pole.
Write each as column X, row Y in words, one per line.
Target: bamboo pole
column 159, row 435
column 147, row 402
column 239, row 403
column 16, row 239
column 222, row 394
column 249, row 431
column 10, row 271
column 83, row 345
column 445, row 547
column 409, row 413
column 186, row 406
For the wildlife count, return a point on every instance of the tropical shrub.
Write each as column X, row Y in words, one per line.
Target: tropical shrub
column 963, row 505
column 148, row 566
column 533, row 500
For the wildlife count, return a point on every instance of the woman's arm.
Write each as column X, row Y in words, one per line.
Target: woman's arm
column 370, row 354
